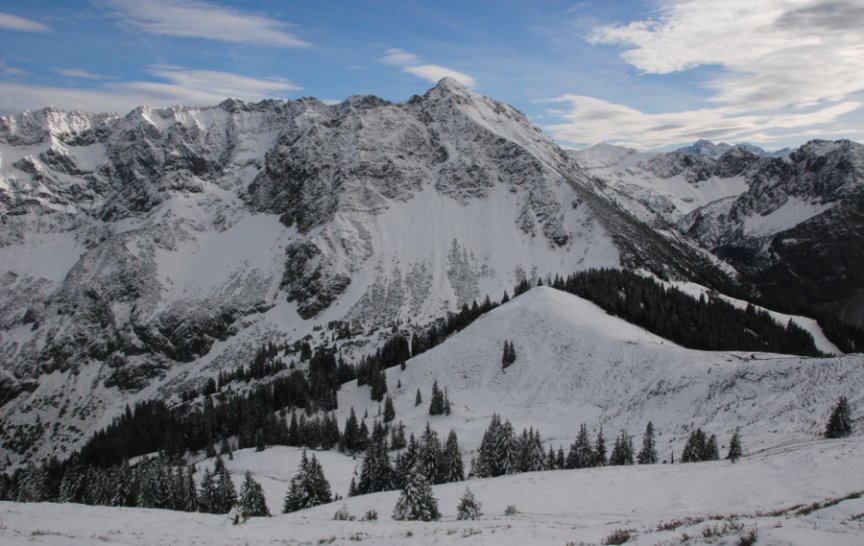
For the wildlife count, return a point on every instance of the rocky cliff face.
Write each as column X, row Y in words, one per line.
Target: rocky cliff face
column 797, row 231
column 143, row 253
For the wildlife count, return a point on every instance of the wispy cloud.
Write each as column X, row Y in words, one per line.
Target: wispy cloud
column 173, row 86
column 199, row 19
column 400, row 57
column 590, row 120
column 13, row 22
column 412, row 64
column 78, row 74
column 10, row 71
column 783, row 63
column 433, row 73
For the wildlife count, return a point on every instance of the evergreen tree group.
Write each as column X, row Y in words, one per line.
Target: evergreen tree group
column 509, row 356
column 308, row 487
column 252, row 501
column 700, row 447
column 502, row 452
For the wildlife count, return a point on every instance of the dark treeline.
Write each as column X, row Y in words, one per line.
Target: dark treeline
column 707, row 323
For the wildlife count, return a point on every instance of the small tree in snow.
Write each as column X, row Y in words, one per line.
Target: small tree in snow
column 416, row 501
column 840, row 422
column 252, row 502
column 735, row 451
column 308, row 487
column 648, row 453
column 468, row 507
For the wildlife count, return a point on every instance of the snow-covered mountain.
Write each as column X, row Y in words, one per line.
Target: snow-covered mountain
column 143, row 253
column 789, row 223
column 797, row 233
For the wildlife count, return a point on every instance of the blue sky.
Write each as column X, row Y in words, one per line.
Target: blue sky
column 649, row 74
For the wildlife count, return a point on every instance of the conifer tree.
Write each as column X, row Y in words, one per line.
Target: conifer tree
column 581, row 454
column 252, row 502
column 622, row 452
column 226, row 494
column 840, row 422
column 416, row 501
column 453, row 470
column 397, row 436
column 418, row 399
column 376, row 474
column 351, row 434
column 190, row 495
column 207, row 492
column 309, row 487
column 436, row 405
column 430, row 458
column 468, row 507
column 735, row 450
column 363, row 436
column 712, row 452
column 696, row 448
column 648, row 453
column 599, row 458
column 389, row 411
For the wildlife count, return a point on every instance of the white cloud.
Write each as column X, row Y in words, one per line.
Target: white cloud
column 78, row 74
column 11, row 71
column 13, row 22
column 783, row 64
column 590, row 120
column 411, row 64
column 177, row 86
column 433, row 73
column 400, row 57
column 199, row 19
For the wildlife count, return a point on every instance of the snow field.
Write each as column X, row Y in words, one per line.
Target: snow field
column 558, row 507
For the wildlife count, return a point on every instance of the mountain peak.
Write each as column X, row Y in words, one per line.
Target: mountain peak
column 448, row 83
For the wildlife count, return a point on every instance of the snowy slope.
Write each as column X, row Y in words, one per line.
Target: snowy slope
column 664, row 186
column 559, row 507
column 577, row 364
column 143, row 253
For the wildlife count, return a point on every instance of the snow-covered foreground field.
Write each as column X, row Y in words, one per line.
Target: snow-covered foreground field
column 658, row 504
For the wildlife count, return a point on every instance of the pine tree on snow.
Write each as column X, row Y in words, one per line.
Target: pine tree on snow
column 454, row 470
column 599, row 458
column 389, row 411
column 648, row 453
column 252, row 502
column 581, row 454
column 226, row 494
column 308, row 487
column 416, row 501
column 840, row 422
column 735, row 451
column 376, row 474
column 712, row 452
column 418, row 399
column 468, row 507
column 430, row 456
column 207, row 492
column 436, row 405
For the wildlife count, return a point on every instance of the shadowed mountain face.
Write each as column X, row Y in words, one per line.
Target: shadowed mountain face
column 796, row 233
column 144, row 252
column 789, row 222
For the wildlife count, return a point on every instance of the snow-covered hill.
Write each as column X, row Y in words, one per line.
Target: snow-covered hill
column 577, row 364
column 142, row 253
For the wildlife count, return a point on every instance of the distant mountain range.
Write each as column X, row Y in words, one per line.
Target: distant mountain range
column 144, row 253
